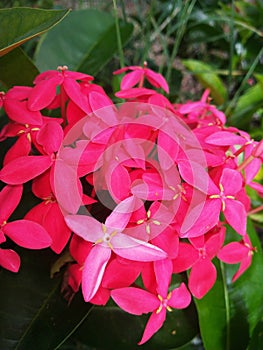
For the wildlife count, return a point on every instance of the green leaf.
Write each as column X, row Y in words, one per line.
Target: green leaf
column 206, row 76
column 16, row 68
column 230, row 312
column 33, row 313
column 246, row 106
column 17, row 25
column 87, row 48
column 113, row 329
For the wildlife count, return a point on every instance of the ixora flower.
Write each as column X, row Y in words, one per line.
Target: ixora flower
column 108, row 238
column 138, row 301
column 133, row 194
column 25, row 233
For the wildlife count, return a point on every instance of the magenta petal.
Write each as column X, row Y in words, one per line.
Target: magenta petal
column 157, row 80
column 131, row 79
column 93, row 270
column 9, row 198
column 233, row 253
column 135, row 301
column 85, row 226
column 50, row 137
column 44, row 93
column 243, row 267
column 55, row 225
column 154, row 323
column 180, row 297
column 187, row 256
column 225, row 138
column 9, row 259
column 202, row 277
column 231, row 180
column 121, row 214
column 120, row 275
column 23, row 169
column 27, row 234
column 73, row 90
column 18, row 111
column 134, row 249
column 236, row 215
column 20, row 148
column 163, row 271
column 67, row 186
column 201, row 218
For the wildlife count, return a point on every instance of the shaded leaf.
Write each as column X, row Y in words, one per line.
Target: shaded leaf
column 16, row 68
column 206, row 76
column 33, row 313
column 86, row 48
column 22, row 24
column 123, row 331
column 230, row 312
column 246, row 106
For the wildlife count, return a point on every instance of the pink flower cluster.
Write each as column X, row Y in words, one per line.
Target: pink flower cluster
column 140, row 189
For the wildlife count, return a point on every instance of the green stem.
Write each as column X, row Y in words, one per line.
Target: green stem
column 118, row 34
column 232, row 42
column 74, row 329
column 227, row 306
column 186, row 12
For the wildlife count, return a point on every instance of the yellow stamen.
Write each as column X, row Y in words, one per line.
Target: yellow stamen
column 156, row 222
column 139, row 222
column 148, row 214
column 104, row 228
column 169, row 309
column 148, row 229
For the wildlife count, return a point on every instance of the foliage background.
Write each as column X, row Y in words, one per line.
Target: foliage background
column 195, row 44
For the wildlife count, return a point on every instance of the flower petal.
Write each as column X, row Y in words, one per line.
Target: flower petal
column 9, row 259
column 154, row 323
column 163, row 271
column 23, row 169
column 236, row 215
column 134, row 249
column 9, row 198
column 135, row 301
column 27, row 234
column 85, row 226
column 93, row 270
column 180, row 297
column 202, row 277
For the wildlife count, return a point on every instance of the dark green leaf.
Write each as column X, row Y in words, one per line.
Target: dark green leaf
column 33, row 313
column 16, row 68
column 17, row 25
column 113, row 329
column 206, row 76
column 230, row 312
column 86, row 48
column 246, row 106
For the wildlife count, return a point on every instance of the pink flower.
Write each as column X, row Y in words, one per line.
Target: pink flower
column 238, row 252
column 26, row 233
column 45, row 90
column 109, row 238
column 138, row 301
column 137, row 76
column 198, row 256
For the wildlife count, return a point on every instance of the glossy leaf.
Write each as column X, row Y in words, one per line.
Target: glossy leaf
column 21, row 24
column 247, row 105
column 16, row 68
column 86, row 48
column 113, row 329
column 206, row 76
column 230, row 312
column 33, row 313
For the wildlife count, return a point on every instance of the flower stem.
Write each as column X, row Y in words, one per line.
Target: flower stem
column 118, row 34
